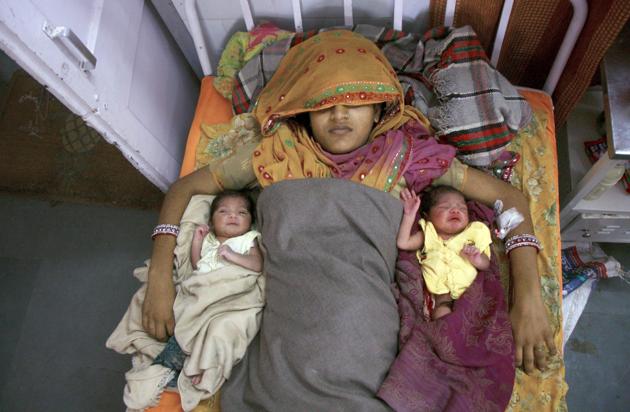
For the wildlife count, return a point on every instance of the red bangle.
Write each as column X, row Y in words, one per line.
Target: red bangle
column 521, row 240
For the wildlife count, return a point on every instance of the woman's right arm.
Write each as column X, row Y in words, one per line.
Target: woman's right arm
column 157, row 310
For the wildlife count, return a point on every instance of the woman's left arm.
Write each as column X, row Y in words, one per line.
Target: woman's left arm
column 530, row 325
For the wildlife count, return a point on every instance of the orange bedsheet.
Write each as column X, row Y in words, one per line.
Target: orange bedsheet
column 536, row 175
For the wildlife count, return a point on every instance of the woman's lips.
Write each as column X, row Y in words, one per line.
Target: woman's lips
column 340, row 130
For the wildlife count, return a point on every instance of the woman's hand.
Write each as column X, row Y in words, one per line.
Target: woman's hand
column 157, row 310
column 533, row 337
column 411, row 202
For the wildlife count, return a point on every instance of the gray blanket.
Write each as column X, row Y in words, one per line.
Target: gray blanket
column 329, row 329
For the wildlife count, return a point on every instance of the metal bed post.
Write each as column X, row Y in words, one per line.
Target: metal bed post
column 580, row 11
column 194, row 25
column 347, row 13
column 398, row 14
column 506, row 11
column 449, row 13
column 297, row 16
column 247, row 14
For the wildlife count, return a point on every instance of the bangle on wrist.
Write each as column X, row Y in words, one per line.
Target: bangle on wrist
column 521, row 240
column 165, row 229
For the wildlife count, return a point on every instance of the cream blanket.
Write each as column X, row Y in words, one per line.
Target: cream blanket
column 217, row 315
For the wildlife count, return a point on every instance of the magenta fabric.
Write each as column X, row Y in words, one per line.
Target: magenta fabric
column 463, row 361
column 424, row 157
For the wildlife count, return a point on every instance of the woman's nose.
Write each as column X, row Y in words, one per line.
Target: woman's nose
column 339, row 112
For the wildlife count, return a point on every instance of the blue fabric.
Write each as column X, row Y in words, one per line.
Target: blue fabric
column 173, row 358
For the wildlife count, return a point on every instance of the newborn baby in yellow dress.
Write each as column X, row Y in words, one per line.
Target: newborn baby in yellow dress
column 450, row 248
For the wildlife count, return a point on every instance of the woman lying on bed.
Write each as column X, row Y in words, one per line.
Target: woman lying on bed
column 330, row 328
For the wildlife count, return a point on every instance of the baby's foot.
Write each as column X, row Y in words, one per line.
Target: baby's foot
column 196, row 380
column 441, row 310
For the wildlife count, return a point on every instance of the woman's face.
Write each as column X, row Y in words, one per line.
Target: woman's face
column 449, row 215
column 342, row 129
column 231, row 218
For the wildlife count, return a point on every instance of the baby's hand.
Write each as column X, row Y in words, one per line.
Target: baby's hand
column 201, row 231
column 225, row 252
column 411, row 202
column 470, row 251
column 473, row 255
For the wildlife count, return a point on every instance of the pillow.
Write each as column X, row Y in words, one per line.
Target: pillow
column 219, row 141
column 212, row 108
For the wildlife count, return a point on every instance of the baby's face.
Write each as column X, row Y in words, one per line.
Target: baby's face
column 449, row 215
column 231, row 218
column 342, row 129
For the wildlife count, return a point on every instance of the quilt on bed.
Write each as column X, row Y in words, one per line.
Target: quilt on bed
column 536, row 175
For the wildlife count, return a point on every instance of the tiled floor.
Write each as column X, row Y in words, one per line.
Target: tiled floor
column 597, row 355
column 65, row 281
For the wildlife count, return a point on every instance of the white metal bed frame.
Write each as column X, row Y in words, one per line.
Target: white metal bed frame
column 580, row 11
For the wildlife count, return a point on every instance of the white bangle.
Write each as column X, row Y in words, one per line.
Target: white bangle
column 165, row 229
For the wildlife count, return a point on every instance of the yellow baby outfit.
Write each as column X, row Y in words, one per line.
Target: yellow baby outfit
column 443, row 269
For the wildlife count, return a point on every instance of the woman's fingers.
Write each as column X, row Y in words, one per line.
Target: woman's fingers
column 158, row 330
column 532, row 357
column 541, row 356
column 157, row 311
column 528, row 359
column 518, row 356
column 147, row 324
column 543, row 351
column 170, row 328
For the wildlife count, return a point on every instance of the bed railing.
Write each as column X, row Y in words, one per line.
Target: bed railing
column 580, row 12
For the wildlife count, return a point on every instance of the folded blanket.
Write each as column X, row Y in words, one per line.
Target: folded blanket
column 475, row 108
column 217, row 315
column 329, row 330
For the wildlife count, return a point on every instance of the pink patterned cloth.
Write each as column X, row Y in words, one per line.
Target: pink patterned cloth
column 409, row 151
column 463, row 361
